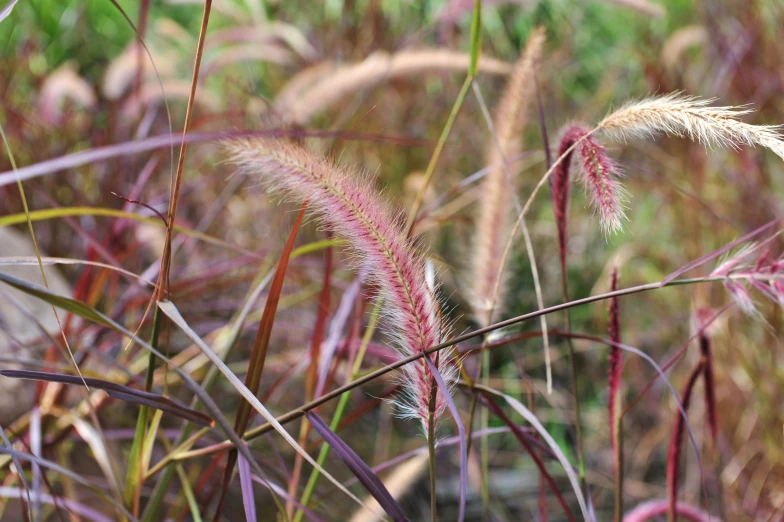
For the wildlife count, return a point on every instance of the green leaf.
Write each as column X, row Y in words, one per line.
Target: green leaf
column 476, row 38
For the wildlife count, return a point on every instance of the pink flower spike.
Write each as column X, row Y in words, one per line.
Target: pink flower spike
column 375, row 235
column 560, row 184
column 600, row 175
column 740, row 294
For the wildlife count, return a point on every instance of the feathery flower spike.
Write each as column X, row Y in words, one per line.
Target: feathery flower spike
column 375, row 236
column 560, row 185
column 496, row 217
column 687, row 116
column 599, row 175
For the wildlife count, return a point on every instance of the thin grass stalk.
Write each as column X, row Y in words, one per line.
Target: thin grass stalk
column 476, row 36
column 297, row 413
column 431, row 166
column 499, row 190
column 136, row 470
column 300, row 411
column 163, row 277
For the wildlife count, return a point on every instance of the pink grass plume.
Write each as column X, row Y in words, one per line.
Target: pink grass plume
column 375, row 234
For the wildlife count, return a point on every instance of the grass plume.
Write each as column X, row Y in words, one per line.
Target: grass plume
column 495, row 219
column 687, row 116
column 330, row 86
column 375, row 235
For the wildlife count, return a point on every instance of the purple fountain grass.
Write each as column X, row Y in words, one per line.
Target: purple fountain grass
column 674, row 457
column 740, row 276
column 376, row 237
column 599, row 175
column 560, row 185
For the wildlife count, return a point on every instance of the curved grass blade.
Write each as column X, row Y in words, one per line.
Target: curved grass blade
column 85, row 312
column 20, row 473
column 258, row 355
column 77, row 508
column 77, row 159
column 46, row 261
column 520, row 435
column 364, row 474
column 5, row 11
column 531, row 418
column 174, row 314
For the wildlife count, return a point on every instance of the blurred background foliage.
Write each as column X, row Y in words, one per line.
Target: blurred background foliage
column 686, row 201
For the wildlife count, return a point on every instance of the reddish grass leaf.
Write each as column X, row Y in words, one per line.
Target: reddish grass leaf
column 117, row 391
column 258, row 355
column 261, row 343
column 362, row 471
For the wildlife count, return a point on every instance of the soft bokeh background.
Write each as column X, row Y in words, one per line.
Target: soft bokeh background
column 70, row 82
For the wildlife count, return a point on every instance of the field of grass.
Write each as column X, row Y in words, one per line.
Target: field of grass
column 391, row 260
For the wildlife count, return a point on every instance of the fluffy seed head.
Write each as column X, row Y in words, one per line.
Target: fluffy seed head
column 496, row 217
column 741, row 275
column 375, row 235
column 599, row 175
column 331, row 85
column 686, row 116
column 560, row 184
